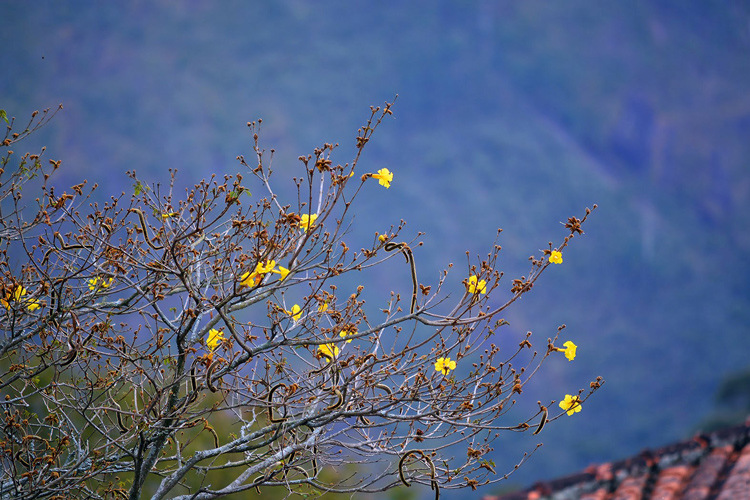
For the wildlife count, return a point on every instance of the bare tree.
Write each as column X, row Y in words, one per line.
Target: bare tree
column 150, row 346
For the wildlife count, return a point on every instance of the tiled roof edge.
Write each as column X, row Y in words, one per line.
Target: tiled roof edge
column 609, row 475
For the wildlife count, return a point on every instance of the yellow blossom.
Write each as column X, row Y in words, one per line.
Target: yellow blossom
column 250, row 279
column 555, row 257
column 382, row 238
column 214, row 338
column 384, row 177
column 329, row 351
column 445, row 365
column 14, row 295
column 99, row 282
column 571, row 404
column 307, row 221
column 167, row 215
column 570, row 350
column 476, row 285
column 265, row 268
column 322, row 307
column 254, row 278
column 296, row 312
column 346, row 333
column 283, row 271
column 17, row 295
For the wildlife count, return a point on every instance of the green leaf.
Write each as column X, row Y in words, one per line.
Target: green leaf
column 4, row 116
column 139, row 188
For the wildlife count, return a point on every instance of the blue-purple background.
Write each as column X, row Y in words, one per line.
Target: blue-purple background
column 510, row 114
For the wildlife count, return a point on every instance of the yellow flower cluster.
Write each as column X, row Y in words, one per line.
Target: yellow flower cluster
column 571, row 404
column 570, row 350
column 384, row 177
column 346, row 333
column 296, row 312
column 251, row 279
column 214, row 338
column 329, row 351
column 282, row 271
column 476, row 285
column 17, row 295
column 445, row 365
column 556, row 257
column 100, row 282
column 307, row 221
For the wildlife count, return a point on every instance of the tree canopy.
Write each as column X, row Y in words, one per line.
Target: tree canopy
column 201, row 344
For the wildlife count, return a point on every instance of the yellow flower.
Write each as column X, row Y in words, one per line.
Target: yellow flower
column 477, row 287
column 570, row 350
column 555, row 257
column 322, row 307
column 167, row 215
column 283, row 271
column 17, row 295
column 214, row 338
column 98, row 282
column 307, row 221
column 384, row 177
column 382, row 238
column 445, row 365
column 265, row 268
column 250, row 279
column 296, row 312
column 346, row 333
column 329, row 351
column 571, row 404
column 254, row 278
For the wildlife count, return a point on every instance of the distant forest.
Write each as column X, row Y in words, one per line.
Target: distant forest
column 509, row 114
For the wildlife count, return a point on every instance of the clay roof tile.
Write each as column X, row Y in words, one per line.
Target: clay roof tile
column 709, row 466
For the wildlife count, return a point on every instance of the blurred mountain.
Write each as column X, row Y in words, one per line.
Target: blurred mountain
column 510, row 114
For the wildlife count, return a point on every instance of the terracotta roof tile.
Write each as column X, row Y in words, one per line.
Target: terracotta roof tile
column 714, row 466
column 600, row 494
column 631, row 488
column 737, row 484
column 671, row 482
column 699, row 487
